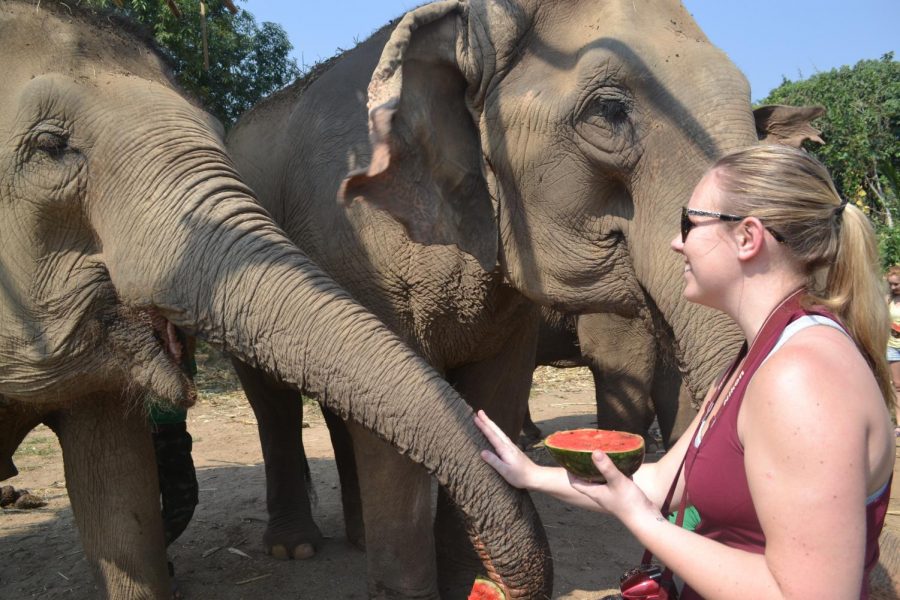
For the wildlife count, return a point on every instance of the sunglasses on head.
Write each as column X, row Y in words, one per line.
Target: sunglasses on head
column 687, row 224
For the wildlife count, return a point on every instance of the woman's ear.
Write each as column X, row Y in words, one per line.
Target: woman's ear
column 750, row 236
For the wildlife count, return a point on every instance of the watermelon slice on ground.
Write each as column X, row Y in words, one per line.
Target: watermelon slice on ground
column 485, row 589
column 572, row 449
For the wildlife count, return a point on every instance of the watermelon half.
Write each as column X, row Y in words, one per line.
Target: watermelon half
column 485, row 589
column 572, row 449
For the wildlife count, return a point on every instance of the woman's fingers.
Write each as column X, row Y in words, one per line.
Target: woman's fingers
column 510, row 462
column 491, row 431
column 605, row 465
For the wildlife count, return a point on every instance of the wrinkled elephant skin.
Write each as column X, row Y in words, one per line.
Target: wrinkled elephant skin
column 122, row 218
column 465, row 164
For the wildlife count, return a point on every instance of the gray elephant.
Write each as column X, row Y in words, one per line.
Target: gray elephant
column 122, row 221
column 515, row 154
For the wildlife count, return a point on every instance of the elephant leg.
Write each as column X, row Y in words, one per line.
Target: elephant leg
column 111, row 479
column 622, row 356
column 531, row 433
column 291, row 531
column 500, row 386
column 342, row 444
column 672, row 401
column 396, row 502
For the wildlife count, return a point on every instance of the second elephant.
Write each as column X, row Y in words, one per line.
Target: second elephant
column 462, row 166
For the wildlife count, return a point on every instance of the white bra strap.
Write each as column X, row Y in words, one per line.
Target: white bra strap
column 801, row 324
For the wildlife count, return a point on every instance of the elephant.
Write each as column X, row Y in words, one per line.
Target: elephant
column 465, row 165
column 124, row 224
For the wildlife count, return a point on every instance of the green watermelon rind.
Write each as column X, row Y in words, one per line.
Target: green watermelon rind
column 580, row 464
column 487, row 586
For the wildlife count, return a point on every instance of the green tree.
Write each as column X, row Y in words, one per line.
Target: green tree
column 861, row 129
column 246, row 60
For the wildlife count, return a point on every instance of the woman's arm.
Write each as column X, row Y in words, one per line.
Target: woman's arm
column 806, row 427
column 512, row 464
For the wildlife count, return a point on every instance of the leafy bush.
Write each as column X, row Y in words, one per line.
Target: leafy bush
column 861, row 129
column 246, row 61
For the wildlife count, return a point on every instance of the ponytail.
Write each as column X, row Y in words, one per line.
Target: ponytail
column 854, row 293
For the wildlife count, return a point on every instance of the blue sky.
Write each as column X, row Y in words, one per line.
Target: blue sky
column 767, row 39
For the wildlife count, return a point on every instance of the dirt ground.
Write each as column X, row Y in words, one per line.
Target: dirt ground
column 220, row 556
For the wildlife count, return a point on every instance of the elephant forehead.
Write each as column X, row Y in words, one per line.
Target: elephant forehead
column 636, row 41
column 656, row 21
column 77, row 44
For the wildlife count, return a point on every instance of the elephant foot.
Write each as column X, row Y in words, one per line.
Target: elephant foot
column 284, row 543
column 531, row 435
column 176, row 591
column 356, row 533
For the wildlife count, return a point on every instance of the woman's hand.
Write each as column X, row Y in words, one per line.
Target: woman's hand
column 619, row 496
column 507, row 459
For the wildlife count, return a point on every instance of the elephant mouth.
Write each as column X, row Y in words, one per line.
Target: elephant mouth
column 153, row 355
column 172, row 368
column 169, row 337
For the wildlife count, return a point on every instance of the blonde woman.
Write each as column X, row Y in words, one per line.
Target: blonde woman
column 790, row 458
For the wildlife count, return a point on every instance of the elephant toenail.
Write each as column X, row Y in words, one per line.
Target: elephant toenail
column 304, row 551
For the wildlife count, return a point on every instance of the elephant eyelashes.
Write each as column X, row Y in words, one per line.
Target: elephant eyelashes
column 614, row 111
column 611, row 110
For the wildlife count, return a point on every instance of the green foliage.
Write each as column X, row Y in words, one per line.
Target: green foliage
column 862, row 133
column 246, row 60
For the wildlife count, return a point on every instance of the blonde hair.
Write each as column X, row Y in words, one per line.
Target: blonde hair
column 893, row 271
column 792, row 193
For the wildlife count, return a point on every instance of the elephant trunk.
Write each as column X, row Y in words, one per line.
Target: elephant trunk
column 233, row 278
column 291, row 320
column 703, row 340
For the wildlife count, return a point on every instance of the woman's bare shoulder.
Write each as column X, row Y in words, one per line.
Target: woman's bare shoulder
column 818, row 380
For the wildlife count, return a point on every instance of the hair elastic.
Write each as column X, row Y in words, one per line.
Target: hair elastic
column 839, row 210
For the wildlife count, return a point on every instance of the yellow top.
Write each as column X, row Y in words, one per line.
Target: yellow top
column 894, row 340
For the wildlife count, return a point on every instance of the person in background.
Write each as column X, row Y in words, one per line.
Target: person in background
column 178, row 488
column 790, row 459
column 893, row 347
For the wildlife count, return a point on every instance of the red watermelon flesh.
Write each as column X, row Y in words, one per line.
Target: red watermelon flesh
column 572, row 449
column 485, row 589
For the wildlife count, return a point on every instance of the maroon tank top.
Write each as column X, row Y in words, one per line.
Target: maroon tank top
column 715, row 480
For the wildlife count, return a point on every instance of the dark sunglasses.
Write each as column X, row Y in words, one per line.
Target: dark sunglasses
column 687, row 224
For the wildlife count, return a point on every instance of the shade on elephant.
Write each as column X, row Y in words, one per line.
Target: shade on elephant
column 465, row 164
column 119, row 209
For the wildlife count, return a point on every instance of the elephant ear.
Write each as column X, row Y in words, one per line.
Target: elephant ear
column 426, row 168
column 788, row 125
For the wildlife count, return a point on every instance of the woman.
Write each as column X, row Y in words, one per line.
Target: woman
column 893, row 349
column 789, row 463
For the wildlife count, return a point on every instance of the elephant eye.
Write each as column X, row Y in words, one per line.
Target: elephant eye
column 613, row 110
column 52, row 142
